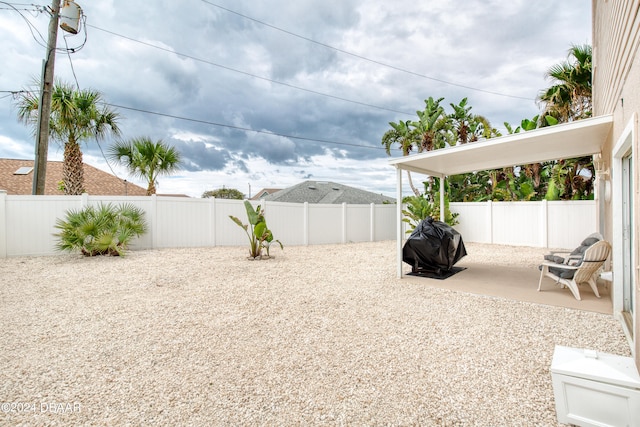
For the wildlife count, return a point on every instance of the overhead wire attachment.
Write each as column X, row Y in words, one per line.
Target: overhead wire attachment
column 70, row 14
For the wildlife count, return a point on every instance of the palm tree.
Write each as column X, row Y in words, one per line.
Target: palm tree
column 567, row 100
column 461, row 119
column 433, row 129
column 403, row 134
column 432, row 125
column 146, row 159
column 76, row 115
column 570, row 97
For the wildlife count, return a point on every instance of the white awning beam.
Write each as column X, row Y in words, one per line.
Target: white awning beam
column 563, row 141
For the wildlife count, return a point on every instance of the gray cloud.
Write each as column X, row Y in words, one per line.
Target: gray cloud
column 197, row 156
column 226, row 78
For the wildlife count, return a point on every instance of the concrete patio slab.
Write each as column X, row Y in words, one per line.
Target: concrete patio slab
column 519, row 284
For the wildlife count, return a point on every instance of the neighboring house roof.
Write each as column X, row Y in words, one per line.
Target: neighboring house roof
column 96, row 182
column 264, row 192
column 327, row 192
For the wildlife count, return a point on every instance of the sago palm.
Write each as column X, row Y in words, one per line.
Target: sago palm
column 146, row 159
column 76, row 115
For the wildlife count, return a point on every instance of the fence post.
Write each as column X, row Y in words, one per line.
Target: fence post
column 154, row 222
column 84, row 200
column 490, row 215
column 372, row 223
column 344, row 223
column 305, row 224
column 3, row 224
column 212, row 221
column 545, row 223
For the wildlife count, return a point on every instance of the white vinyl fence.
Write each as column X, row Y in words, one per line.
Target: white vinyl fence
column 556, row 224
column 27, row 222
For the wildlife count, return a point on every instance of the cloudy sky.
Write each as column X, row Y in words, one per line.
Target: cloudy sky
column 270, row 93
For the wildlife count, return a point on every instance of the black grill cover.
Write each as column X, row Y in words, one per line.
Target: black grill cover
column 433, row 247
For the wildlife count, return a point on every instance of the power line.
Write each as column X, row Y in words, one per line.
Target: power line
column 224, row 125
column 364, row 58
column 188, row 119
column 73, row 70
column 40, row 9
column 42, row 42
column 250, row 74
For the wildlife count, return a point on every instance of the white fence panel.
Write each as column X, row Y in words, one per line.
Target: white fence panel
column 517, row 223
column 358, row 223
column 227, row 233
column 287, row 222
column 570, row 223
column 184, row 223
column 30, row 226
column 325, row 224
column 384, row 220
column 556, row 224
column 474, row 221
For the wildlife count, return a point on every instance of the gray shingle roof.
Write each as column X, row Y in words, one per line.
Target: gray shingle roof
column 265, row 191
column 327, row 192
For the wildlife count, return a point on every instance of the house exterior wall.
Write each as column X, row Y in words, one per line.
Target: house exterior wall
column 615, row 43
column 616, row 90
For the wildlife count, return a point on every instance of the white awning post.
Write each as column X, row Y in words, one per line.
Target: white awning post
column 399, row 220
column 442, row 207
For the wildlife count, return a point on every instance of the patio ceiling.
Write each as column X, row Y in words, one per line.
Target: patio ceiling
column 563, row 141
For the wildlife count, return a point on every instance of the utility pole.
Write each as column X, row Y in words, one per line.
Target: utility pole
column 44, row 109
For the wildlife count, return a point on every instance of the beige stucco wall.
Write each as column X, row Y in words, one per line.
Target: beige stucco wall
column 616, row 90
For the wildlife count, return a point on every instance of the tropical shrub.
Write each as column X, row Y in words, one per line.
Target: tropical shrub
column 420, row 208
column 224, row 193
column 260, row 237
column 102, row 230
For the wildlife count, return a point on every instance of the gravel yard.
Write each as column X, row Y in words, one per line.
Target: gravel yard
column 318, row 335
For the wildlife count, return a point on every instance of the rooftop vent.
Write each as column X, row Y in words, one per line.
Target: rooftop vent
column 312, row 187
column 24, row 170
column 336, row 188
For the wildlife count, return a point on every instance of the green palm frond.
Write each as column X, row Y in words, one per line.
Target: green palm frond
column 146, row 159
column 100, row 230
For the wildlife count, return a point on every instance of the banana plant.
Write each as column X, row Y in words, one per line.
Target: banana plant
column 260, row 237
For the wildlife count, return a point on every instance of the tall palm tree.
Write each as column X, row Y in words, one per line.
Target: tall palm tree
column 567, row 100
column 570, row 97
column 146, row 159
column 76, row 115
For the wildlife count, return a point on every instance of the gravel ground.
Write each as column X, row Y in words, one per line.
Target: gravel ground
column 318, row 335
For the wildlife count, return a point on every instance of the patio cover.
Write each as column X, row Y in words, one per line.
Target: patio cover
column 562, row 141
